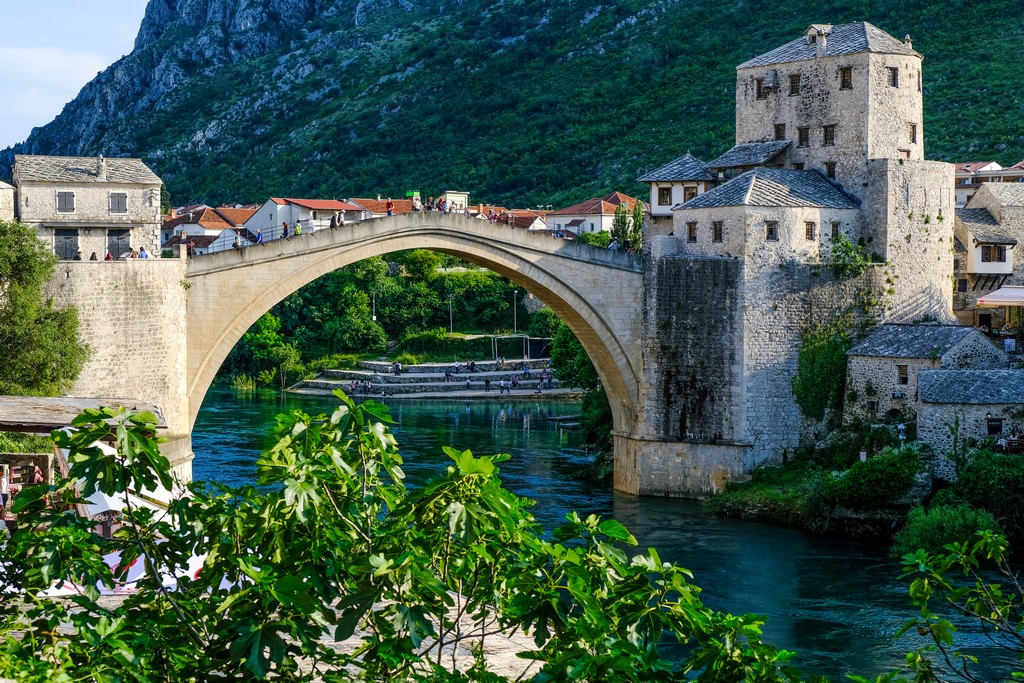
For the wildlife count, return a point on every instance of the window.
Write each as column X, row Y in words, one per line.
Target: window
column 872, row 406
column 830, row 169
column 846, row 78
column 66, row 202
column 798, row 166
column 803, row 137
column 993, row 253
column 894, row 76
column 794, row 84
column 664, row 196
column 691, row 232
column 118, row 202
column 65, row 243
column 717, row 231
column 828, row 135
column 994, row 426
column 118, row 242
column 780, row 131
column 835, row 230
column 961, row 285
column 689, row 193
column 956, row 264
column 771, row 231
column 810, row 229
column 902, row 375
column 918, row 81
column 760, row 91
column 913, row 133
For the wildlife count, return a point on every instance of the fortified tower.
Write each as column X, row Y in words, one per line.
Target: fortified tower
column 829, row 145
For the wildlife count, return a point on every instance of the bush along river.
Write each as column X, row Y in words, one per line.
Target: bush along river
column 838, row 603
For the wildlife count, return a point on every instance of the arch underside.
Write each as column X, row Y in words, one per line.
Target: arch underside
column 227, row 296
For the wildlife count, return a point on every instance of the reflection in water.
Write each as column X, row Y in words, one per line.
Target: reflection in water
column 836, row 602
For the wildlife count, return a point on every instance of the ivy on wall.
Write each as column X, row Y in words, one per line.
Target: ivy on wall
column 821, row 370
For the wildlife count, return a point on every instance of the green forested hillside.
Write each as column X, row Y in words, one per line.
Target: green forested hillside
column 523, row 102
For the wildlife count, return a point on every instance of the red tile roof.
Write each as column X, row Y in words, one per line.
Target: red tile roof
column 379, row 206
column 321, row 204
column 604, row 206
column 211, row 219
column 971, row 166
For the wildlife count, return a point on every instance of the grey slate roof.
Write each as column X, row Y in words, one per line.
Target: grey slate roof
column 686, row 167
column 983, row 226
column 80, row 170
column 977, row 387
column 1008, row 194
column 911, row 341
column 773, row 187
column 844, row 39
column 749, row 154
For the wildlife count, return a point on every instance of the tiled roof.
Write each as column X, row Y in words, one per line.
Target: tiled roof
column 237, row 216
column 977, row 387
column 686, row 167
column 983, row 226
column 749, row 154
column 323, row 204
column 958, row 246
column 972, row 166
column 1007, row 194
column 773, row 187
column 199, row 241
column 912, row 341
column 211, row 219
column 1019, row 166
column 844, row 39
column 604, row 206
column 81, row 170
column 380, row 206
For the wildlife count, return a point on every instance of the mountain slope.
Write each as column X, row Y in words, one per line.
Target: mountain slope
column 523, row 102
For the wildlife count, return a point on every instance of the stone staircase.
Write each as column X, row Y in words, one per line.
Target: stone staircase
column 376, row 377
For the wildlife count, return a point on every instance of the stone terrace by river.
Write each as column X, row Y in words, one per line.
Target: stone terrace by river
column 429, row 380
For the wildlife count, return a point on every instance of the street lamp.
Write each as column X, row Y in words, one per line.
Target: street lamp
column 450, row 326
column 374, row 305
column 515, row 313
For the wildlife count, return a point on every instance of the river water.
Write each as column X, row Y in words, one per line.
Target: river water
column 836, row 602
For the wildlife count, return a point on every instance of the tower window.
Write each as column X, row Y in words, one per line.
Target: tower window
column 902, row 375
column 691, row 232
column 894, row 76
column 835, row 230
column 780, row 131
column 760, row 92
column 794, row 84
column 664, row 196
column 830, row 169
column 846, row 78
column 771, row 231
column 918, row 81
column 913, row 133
column 717, row 231
column 803, row 137
column 809, row 230
column 689, row 193
column 828, row 136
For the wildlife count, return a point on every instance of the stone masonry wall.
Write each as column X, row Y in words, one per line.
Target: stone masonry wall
column 936, row 419
column 6, row 202
column 132, row 316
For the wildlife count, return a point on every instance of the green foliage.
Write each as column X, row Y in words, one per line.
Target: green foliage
column 596, row 239
column 572, row 364
column 39, row 343
column 848, row 259
column 596, row 419
column 821, row 370
column 544, row 323
column 620, row 225
column 939, row 525
column 422, row 264
column 876, row 482
column 974, row 579
column 636, row 228
column 16, row 442
column 994, row 481
column 333, row 544
column 437, row 346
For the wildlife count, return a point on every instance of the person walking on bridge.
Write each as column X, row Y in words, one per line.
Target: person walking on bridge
column 284, row 229
column 390, row 206
column 298, row 227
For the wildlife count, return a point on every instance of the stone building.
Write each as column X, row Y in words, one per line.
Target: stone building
column 592, row 215
column 6, row 202
column 974, row 404
column 678, row 181
column 829, row 144
column 987, row 233
column 883, row 369
column 89, row 205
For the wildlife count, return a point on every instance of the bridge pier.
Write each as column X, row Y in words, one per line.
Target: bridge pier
column 646, row 466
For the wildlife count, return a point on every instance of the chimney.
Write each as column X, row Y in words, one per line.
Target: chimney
column 378, row 196
column 101, row 168
column 821, row 43
column 906, row 41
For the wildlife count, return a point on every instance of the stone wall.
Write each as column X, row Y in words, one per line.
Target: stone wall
column 909, row 223
column 935, row 421
column 6, row 202
column 132, row 316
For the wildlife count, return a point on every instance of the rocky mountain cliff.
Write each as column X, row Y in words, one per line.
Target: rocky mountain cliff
column 521, row 101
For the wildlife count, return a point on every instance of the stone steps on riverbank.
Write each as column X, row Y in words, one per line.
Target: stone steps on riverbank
column 387, row 367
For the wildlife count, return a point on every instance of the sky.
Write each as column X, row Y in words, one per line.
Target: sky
column 49, row 49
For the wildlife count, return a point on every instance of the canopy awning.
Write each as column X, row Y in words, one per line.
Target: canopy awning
column 1010, row 295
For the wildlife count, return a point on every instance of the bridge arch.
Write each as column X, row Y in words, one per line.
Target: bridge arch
column 597, row 292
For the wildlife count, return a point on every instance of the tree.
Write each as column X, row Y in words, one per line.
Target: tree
column 620, row 225
column 42, row 354
column 636, row 228
column 333, row 544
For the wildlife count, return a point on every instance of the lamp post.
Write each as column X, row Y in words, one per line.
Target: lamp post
column 515, row 313
column 374, row 318
column 450, row 325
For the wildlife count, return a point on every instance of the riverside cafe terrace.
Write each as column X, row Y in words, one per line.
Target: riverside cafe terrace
column 1010, row 298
